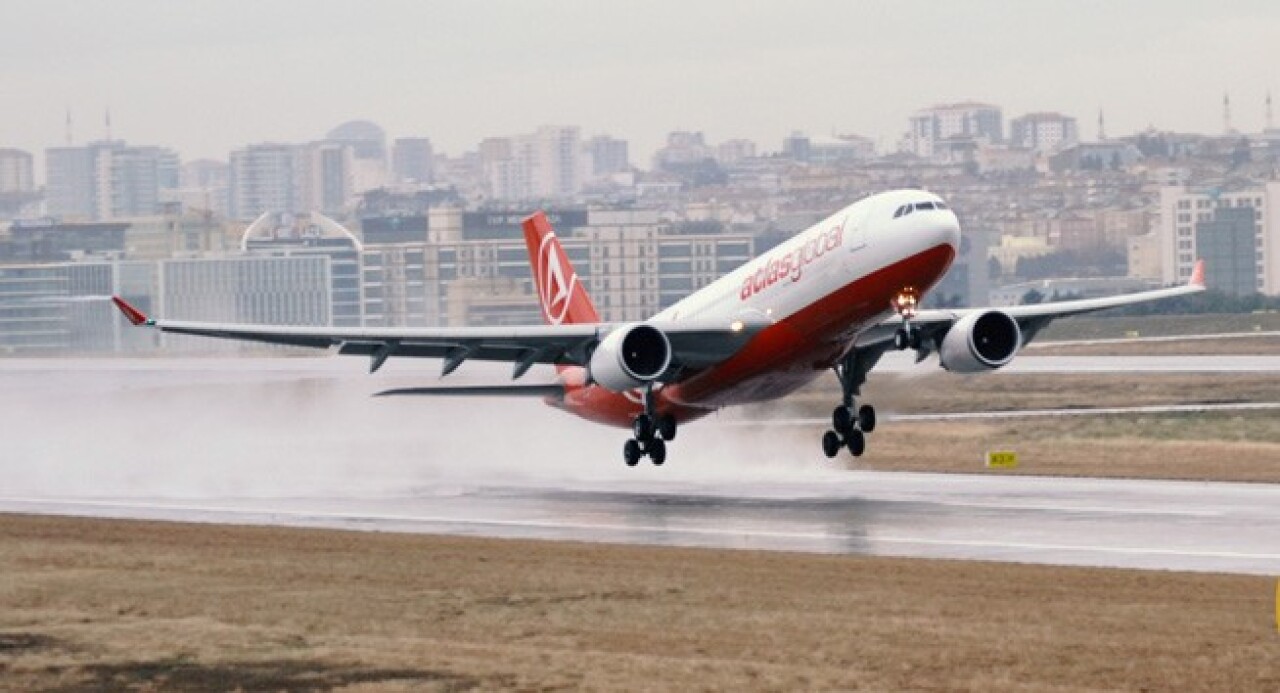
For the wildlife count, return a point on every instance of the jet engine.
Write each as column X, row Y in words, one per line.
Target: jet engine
column 980, row 342
column 630, row 356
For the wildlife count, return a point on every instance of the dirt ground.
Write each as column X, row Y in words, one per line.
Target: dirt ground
column 121, row 605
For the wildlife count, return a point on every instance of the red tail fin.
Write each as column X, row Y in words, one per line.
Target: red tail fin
column 564, row 300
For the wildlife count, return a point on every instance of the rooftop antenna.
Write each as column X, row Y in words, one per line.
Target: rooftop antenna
column 1102, row 127
column 107, row 121
column 1270, row 124
column 69, row 139
column 1226, row 114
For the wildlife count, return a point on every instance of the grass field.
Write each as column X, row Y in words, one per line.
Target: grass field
column 1228, row 446
column 1117, row 326
column 112, row 605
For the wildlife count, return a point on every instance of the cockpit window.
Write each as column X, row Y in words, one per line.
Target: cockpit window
column 922, row 206
column 902, row 211
column 939, row 205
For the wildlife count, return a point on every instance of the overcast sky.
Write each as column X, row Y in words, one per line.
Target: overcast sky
column 208, row 76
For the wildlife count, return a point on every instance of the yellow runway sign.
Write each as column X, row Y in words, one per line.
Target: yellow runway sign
column 1002, row 459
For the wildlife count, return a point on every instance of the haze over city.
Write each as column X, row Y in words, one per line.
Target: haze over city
column 207, row 77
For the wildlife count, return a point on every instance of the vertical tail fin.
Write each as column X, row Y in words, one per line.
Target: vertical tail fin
column 563, row 298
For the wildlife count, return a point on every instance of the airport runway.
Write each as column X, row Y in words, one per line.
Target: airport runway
column 1232, row 528
column 299, row 442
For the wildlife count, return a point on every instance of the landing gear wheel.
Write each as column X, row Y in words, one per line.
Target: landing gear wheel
column 842, row 419
column 657, row 451
column 642, row 427
column 830, row 444
column 901, row 340
column 913, row 340
column 867, row 418
column 667, row 427
column 856, row 442
column 631, row 453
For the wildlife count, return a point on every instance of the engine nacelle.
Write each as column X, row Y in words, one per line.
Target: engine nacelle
column 980, row 342
column 630, row 356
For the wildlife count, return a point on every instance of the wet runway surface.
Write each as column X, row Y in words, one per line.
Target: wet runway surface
column 1133, row 524
column 299, row 442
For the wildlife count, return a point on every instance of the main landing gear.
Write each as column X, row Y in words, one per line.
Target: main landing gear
column 850, row 424
column 652, row 431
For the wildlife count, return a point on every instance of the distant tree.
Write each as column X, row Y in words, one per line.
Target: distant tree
column 994, row 269
column 1032, row 297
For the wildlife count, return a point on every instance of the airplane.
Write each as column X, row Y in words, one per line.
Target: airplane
column 835, row 297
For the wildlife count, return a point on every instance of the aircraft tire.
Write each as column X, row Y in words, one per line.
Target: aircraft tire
column 842, row 420
column 830, row 444
column 667, row 427
column 867, row 418
column 631, row 452
column 657, row 451
column 856, row 442
column 642, row 428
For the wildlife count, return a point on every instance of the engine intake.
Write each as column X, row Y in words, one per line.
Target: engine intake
column 630, row 356
column 980, row 342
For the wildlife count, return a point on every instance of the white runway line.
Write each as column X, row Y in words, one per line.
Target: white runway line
column 1026, row 413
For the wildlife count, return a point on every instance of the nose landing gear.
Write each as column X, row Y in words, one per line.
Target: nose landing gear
column 905, row 303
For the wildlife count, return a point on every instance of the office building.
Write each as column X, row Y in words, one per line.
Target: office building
column 412, row 160
column 930, row 128
column 1043, row 132
column 1236, row 232
column 108, row 180
column 260, row 179
column 16, row 172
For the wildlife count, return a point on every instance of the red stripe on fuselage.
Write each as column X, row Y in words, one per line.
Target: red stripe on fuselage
column 780, row 359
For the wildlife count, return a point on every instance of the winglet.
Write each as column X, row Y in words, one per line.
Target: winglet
column 134, row 315
column 1197, row 274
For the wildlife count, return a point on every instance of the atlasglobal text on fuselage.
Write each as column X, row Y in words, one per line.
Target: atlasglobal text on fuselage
column 835, row 298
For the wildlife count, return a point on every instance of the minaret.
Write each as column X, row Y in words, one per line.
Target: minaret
column 107, row 121
column 1270, row 123
column 68, row 126
column 1226, row 114
column 1102, row 127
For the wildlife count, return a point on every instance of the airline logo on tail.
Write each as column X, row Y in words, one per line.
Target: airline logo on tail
column 553, row 290
column 563, row 298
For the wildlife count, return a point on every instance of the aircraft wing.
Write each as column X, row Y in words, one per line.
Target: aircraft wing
column 1031, row 318
column 694, row 345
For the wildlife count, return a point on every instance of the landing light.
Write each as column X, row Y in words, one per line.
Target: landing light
column 737, row 326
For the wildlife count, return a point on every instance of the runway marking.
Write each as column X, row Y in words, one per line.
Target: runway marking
column 349, row 518
column 1027, row 413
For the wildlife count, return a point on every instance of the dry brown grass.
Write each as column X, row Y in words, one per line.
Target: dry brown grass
column 90, row 604
column 1242, row 346
column 1229, row 446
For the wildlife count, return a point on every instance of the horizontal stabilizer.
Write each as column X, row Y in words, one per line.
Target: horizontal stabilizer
column 529, row 390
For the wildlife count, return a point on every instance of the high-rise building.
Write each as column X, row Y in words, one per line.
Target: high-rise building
column 108, row 179
column 607, row 155
column 261, row 179
column 962, row 121
column 15, row 171
column 324, row 178
column 411, row 160
column 1043, row 132
column 546, row 164
column 1237, row 233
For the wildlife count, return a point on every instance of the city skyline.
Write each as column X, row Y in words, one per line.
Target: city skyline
column 205, row 79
